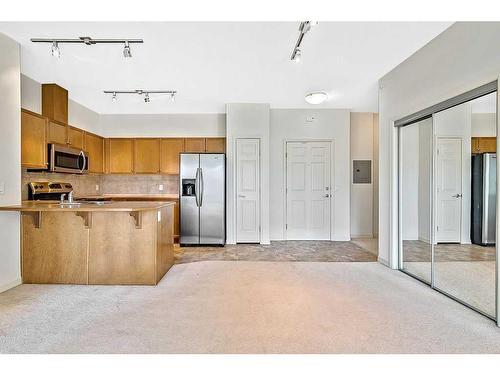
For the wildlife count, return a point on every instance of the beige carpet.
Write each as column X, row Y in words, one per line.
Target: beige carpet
column 246, row 307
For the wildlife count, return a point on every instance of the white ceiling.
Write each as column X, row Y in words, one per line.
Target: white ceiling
column 213, row 63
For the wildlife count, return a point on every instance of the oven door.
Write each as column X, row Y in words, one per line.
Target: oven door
column 67, row 159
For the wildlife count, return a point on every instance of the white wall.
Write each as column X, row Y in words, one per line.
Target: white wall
column 484, row 125
column 78, row 115
column 290, row 124
column 10, row 162
column 462, row 58
column 247, row 121
column 456, row 123
column 167, row 125
column 362, row 125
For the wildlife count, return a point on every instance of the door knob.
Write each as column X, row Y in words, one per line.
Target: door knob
column 241, row 196
column 327, row 195
column 457, row 196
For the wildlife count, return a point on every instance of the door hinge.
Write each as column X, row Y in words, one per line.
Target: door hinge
column 437, row 228
column 286, row 154
column 286, row 226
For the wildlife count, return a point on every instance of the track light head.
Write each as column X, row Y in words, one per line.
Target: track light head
column 146, row 98
column 114, row 98
column 126, row 50
column 297, row 55
column 54, row 50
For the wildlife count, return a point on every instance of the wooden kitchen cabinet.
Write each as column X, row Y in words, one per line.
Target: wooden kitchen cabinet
column 33, row 140
column 75, row 137
column 119, row 155
column 481, row 145
column 55, row 102
column 146, row 155
column 94, row 145
column 194, row 145
column 57, row 132
column 170, row 148
column 216, row 145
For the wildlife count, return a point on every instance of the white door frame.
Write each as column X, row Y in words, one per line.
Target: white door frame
column 333, row 188
column 235, row 195
column 435, row 147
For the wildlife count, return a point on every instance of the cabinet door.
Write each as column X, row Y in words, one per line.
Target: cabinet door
column 169, row 152
column 94, row 145
column 75, row 137
column 194, row 144
column 146, row 155
column 120, row 155
column 474, row 145
column 216, row 145
column 487, row 144
column 33, row 140
column 57, row 133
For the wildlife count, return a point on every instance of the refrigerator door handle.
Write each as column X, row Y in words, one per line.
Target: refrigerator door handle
column 201, row 187
column 197, row 191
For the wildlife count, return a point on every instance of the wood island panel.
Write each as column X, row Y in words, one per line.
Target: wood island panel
column 56, row 253
column 165, row 246
column 119, row 252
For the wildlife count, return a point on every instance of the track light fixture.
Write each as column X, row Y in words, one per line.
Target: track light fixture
column 303, row 29
column 88, row 41
column 146, row 94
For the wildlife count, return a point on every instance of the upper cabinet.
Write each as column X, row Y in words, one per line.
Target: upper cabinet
column 216, row 145
column 146, row 155
column 94, row 145
column 170, row 148
column 119, row 155
column 55, row 102
column 33, row 140
column 75, row 137
column 57, row 132
column 480, row 145
column 194, row 144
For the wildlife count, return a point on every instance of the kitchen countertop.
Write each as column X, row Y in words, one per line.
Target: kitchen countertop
column 35, row 206
column 131, row 196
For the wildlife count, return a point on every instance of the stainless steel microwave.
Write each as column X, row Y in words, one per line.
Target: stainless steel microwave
column 67, row 159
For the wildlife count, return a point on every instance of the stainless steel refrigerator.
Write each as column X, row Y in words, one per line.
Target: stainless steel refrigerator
column 484, row 198
column 202, row 199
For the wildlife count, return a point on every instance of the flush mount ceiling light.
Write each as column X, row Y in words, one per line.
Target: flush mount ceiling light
column 303, row 29
column 316, row 97
column 146, row 93
column 55, row 51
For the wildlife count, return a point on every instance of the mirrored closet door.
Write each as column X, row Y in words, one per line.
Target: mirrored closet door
column 465, row 202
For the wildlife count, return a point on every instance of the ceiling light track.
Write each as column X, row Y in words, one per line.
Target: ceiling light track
column 55, row 42
column 146, row 93
column 304, row 28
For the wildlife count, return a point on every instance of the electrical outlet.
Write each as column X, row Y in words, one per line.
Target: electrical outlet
column 96, row 187
column 310, row 119
column 2, row 188
column 160, row 187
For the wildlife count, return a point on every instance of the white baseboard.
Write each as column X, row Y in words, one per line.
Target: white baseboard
column 10, row 285
column 383, row 261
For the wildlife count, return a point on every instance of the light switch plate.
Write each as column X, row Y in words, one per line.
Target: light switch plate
column 2, row 188
column 96, row 187
column 160, row 187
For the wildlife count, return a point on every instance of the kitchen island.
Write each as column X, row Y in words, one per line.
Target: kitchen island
column 129, row 243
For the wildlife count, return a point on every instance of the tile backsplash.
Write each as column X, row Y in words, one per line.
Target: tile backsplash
column 107, row 184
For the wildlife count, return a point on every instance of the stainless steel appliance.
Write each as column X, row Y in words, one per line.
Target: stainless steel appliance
column 48, row 191
column 67, row 159
column 484, row 198
column 202, row 199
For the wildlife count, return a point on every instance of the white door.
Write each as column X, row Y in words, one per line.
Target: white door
column 247, row 191
column 308, row 190
column 449, row 190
